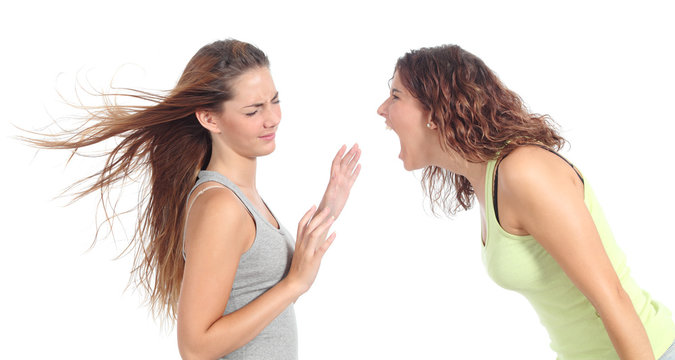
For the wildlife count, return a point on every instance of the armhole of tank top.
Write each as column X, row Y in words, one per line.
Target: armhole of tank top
column 187, row 213
column 495, row 176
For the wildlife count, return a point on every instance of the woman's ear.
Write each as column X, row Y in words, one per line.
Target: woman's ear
column 207, row 119
column 430, row 124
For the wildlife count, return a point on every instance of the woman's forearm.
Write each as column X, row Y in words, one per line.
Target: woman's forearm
column 625, row 328
column 234, row 330
column 230, row 332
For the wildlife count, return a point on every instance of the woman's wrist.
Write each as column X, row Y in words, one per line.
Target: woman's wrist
column 293, row 288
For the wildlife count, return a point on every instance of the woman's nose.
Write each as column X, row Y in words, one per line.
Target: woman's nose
column 382, row 110
column 272, row 118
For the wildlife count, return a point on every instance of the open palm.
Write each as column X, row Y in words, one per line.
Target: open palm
column 344, row 171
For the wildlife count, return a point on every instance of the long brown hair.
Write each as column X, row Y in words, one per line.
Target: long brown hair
column 476, row 115
column 166, row 141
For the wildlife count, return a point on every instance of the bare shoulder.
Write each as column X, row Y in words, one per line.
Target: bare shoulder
column 213, row 199
column 530, row 171
column 531, row 165
column 217, row 218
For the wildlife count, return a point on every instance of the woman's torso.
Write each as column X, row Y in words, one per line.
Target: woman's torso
column 521, row 264
column 261, row 267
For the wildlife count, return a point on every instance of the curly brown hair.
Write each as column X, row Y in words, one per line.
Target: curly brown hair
column 476, row 115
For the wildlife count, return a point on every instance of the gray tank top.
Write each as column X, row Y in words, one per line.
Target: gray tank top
column 260, row 268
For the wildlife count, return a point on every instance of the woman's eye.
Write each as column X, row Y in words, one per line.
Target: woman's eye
column 276, row 101
column 394, row 97
column 251, row 113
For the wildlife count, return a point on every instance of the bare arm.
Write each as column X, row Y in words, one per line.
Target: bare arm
column 219, row 230
column 547, row 198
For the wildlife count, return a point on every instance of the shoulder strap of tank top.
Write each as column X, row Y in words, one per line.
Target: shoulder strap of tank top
column 206, row 176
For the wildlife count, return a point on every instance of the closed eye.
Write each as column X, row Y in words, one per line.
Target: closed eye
column 275, row 100
column 394, row 91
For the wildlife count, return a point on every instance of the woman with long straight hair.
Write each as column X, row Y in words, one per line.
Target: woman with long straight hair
column 543, row 232
column 208, row 250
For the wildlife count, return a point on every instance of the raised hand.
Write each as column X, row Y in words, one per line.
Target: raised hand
column 343, row 173
column 310, row 245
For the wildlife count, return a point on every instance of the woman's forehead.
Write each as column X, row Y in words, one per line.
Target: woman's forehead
column 254, row 85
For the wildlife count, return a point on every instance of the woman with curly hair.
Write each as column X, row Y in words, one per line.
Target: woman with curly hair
column 208, row 249
column 543, row 232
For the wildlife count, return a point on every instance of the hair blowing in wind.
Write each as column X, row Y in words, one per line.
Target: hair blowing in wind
column 164, row 142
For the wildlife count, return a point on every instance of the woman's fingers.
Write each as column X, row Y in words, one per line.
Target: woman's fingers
column 316, row 220
column 347, row 159
column 345, row 163
column 311, row 245
column 326, row 244
column 335, row 167
column 319, row 233
column 355, row 174
column 302, row 225
column 353, row 162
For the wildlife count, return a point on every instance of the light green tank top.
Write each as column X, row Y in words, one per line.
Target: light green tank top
column 521, row 264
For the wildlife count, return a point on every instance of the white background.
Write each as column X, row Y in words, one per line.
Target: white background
column 398, row 283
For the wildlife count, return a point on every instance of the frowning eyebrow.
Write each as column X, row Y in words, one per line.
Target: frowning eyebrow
column 276, row 96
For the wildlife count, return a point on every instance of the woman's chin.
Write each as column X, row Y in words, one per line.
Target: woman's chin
column 406, row 164
column 268, row 149
column 259, row 153
column 410, row 165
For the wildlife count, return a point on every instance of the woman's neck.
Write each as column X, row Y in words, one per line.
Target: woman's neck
column 238, row 169
column 474, row 172
column 476, row 176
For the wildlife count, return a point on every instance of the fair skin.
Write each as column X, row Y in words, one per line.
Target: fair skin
column 219, row 228
column 539, row 195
